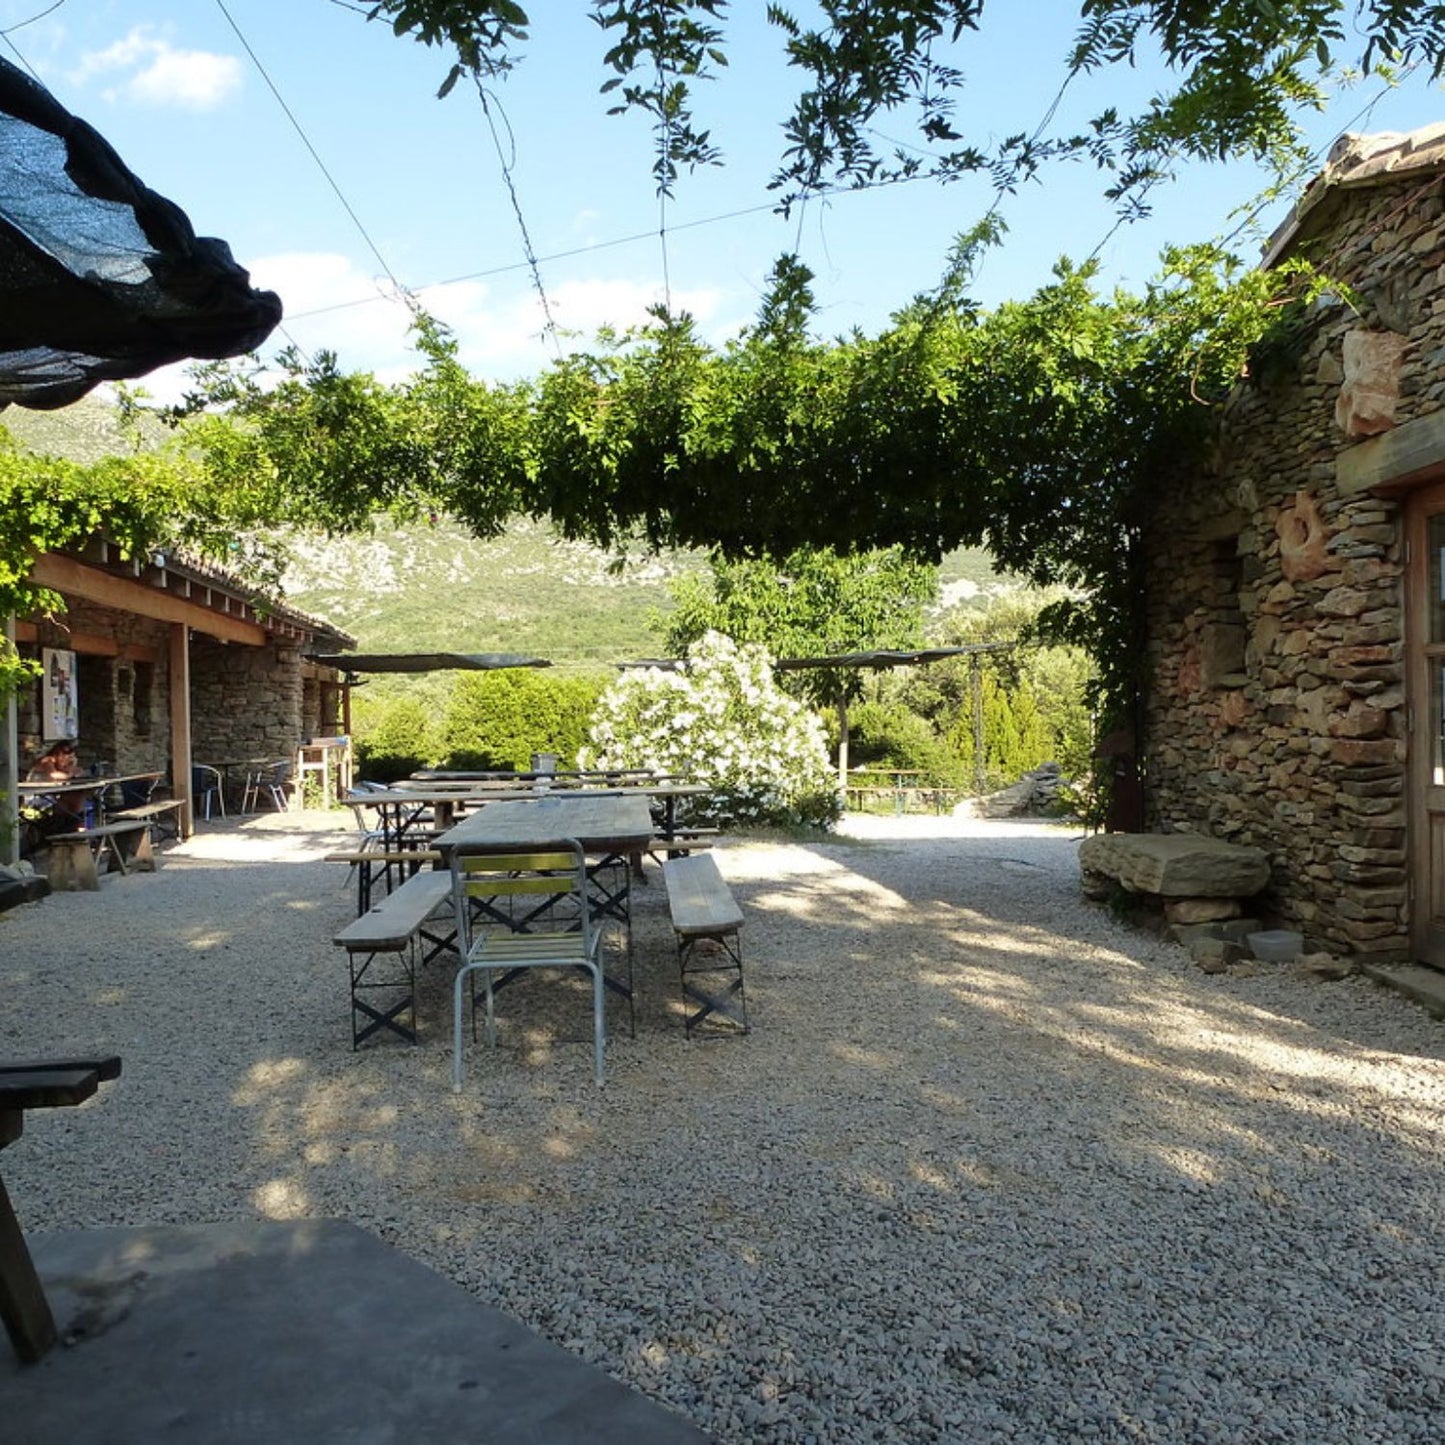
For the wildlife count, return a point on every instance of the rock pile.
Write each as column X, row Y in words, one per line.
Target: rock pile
column 1034, row 794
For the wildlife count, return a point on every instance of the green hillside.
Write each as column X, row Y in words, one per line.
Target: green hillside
column 85, row 431
column 436, row 588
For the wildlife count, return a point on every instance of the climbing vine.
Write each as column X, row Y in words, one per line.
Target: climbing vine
column 1035, row 429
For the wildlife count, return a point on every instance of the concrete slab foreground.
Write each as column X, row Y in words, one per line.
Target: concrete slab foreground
column 306, row 1333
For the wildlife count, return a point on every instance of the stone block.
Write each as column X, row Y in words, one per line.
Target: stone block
column 1176, row 865
column 1230, row 930
column 1202, row 910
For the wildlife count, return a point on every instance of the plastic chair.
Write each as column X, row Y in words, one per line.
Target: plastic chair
column 274, row 780
column 136, row 792
column 206, row 790
column 498, row 896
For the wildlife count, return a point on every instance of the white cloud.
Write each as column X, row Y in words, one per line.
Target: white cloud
column 161, row 75
column 506, row 337
column 333, row 304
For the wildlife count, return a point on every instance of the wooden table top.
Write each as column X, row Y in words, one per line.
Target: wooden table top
column 82, row 784
column 600, row 822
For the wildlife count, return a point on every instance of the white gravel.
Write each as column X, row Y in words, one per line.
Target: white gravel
column 990, row 1167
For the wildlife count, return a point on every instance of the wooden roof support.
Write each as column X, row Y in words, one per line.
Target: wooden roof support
column 66, row 575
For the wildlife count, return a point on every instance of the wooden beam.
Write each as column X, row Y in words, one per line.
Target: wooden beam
column 1394, row 460
column 180, row 700
column 92, row 645
column 66, row 575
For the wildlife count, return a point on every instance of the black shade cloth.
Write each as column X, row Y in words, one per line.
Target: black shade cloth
column 101, row 278
column 424, row 661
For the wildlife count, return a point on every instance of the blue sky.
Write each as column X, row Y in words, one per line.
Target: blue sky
column 171, row 84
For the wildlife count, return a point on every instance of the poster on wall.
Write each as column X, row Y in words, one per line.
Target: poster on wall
column 59, row 703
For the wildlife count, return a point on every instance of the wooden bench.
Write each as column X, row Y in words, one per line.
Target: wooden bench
column 681, row 841
column 41, row 1084
column 704, row 911
column 73, row 856
column 395, row 928
column 371, row 863
column 164, row 813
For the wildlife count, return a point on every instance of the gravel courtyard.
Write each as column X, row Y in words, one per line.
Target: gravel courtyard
column 990, row 1167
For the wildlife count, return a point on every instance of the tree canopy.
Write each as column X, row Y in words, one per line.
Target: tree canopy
column 811, row 603
column 1239, row 73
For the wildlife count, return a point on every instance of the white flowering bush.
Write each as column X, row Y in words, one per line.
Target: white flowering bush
column 724, row 721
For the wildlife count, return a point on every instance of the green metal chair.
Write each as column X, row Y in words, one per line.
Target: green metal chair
column 517, row 911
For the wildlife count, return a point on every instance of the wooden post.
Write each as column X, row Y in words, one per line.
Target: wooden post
column 179, row 680
column 975, row 683
column 10, row 819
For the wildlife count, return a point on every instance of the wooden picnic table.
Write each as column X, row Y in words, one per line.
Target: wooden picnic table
column 42, row 1084
column 81, row 785
column 601, row 821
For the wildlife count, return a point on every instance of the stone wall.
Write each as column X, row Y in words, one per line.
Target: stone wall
column 246, row 702
column 124, row 709
column 1276, row 715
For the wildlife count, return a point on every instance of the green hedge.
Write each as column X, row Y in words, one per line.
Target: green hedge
column 499, row 719
column 394, row 736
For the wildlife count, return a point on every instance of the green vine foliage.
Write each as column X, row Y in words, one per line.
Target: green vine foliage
column 1238, row 73
column 1036, row 429
column 49, row 504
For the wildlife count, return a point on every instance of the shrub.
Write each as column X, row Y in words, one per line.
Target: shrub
column 394, row 737
column 499, row 719
column 724, row 721
column 888, row 734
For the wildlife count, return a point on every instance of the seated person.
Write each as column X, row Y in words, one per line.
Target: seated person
column 58, row 764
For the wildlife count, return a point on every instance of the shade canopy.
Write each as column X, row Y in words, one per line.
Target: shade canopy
column 424, row 661
column 879, row 659
column 101, row 278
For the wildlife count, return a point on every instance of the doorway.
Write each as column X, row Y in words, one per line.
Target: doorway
column 1425, row 663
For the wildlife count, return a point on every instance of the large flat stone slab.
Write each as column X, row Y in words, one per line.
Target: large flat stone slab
column 307, row 1333
column 1176, row 865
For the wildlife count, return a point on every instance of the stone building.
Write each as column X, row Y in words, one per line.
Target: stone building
column 1296, row 593
column 175, row 663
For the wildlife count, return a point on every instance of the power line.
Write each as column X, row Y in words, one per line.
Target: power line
column 5, row 36
column 305, row 140
column 21, row 24
column 532, row 264
column 629, row 240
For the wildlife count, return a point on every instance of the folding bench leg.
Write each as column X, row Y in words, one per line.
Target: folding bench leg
column 384, row 1017
column 731, row 1004
column 133, row 851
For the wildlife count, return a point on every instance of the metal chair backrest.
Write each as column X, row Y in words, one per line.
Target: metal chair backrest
column 542, row 889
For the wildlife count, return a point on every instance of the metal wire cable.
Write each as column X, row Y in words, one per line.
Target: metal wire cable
column 532, row 264
column 629, row 240
column 21, row 24
column 401, row 291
